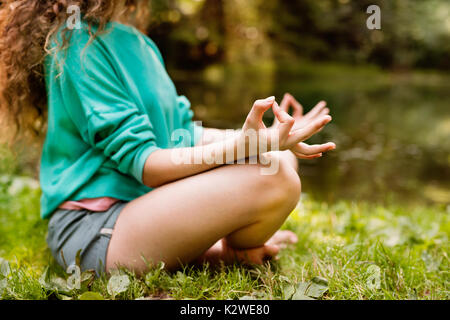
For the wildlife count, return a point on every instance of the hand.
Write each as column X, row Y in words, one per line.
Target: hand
column 288, row 137
column 302, row 120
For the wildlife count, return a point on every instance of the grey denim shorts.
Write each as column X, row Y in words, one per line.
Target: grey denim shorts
column 70, row 231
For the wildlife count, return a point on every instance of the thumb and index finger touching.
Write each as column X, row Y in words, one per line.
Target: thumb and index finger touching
column 285, row 121
column 255, row 117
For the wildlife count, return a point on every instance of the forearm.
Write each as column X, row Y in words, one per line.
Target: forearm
column 168, row 165
column 211, row 135
column 165, row 166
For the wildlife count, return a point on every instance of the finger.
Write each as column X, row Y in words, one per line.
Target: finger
column 281, row 115
column 305, row 120
column 256, row 114
column 307, row 149
column 288, row 101
column 310, row 157
column 286, row 122
column 316, row 110
column 305, row 133
column 298, row 108
column 324, row 112
column 284, row 105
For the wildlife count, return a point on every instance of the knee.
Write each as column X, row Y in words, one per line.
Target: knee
column 287, row 182
column 282, row 188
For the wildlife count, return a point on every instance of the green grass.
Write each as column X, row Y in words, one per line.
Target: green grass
column 361, row 250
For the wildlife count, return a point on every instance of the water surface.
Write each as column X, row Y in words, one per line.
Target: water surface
column 392, row 128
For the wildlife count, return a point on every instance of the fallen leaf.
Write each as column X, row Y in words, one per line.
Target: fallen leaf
column 53, row 283
column 300, row 292
column 373, row 273
column 118, row 284
column 301, row 296
column 88, row 277
column 310, row 290
column 317, row 287
column 288, row 291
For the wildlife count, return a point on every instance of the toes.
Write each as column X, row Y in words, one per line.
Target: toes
column 293, row 237
column 271, row 250
column 290, row 237
column 284, row 237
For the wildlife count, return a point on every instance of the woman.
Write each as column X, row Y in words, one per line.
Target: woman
column 112, row 186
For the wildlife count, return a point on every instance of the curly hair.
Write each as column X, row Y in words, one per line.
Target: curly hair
column 27, row 28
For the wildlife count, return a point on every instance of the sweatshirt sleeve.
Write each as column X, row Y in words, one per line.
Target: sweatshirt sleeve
column 195, row 128
column 102, row 110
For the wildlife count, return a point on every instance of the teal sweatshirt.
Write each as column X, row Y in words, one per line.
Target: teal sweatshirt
column 110, row 105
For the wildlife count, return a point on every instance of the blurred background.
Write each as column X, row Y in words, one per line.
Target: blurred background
column 388, row 90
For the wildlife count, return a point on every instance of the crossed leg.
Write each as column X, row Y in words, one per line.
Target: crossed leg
column 179, row 222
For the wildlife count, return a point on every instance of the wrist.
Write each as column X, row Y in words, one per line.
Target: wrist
column 246, row 145
column 253, row 143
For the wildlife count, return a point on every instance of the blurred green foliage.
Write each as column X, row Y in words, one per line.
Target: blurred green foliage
column 357, row 250
column 391, row 115
column 391, row 125
column 192, row 33
column 392, row 128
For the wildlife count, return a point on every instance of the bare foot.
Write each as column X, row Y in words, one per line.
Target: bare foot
column 249, row 256
column 283, row 238
column 221, row 252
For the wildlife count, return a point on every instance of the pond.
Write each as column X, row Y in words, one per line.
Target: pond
column 392, row 129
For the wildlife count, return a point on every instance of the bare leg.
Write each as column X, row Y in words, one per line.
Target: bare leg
column 222, row 252
column 178, row 222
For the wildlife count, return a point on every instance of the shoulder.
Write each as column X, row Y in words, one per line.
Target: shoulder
column 115, row 37
column 87, row 51
column 88, row 38
column 70, row 47
column 133, row 36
